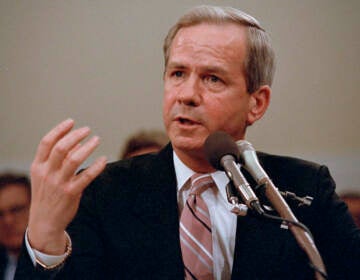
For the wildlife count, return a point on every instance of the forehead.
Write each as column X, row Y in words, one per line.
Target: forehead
column 223, row 42
column 13, row 194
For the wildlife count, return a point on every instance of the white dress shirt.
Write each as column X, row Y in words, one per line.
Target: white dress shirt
column 222, row 220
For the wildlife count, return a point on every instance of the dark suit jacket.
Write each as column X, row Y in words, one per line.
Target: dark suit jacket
column 127, row 226
column 3, row 262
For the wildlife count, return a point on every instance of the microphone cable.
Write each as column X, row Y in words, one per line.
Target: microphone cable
column 288, row 223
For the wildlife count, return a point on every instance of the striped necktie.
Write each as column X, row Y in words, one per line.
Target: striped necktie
column 195, row 231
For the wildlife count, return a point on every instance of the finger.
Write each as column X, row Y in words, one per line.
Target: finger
column 65, row 146
column 88, row 175
column 75, row 159
column 77, row 146
column 50, row 139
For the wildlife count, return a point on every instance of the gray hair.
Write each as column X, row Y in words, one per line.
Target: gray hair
column 259, row 63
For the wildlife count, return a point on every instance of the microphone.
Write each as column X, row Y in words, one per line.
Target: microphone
column 250, row 162
column 223, row 154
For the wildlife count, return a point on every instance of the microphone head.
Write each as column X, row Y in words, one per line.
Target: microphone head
column 217, row 145
column 249, row 160
column 244, row 146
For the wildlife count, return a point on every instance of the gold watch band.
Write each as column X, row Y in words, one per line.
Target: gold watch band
column 68, row 251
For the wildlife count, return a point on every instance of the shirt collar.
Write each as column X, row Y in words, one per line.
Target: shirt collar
column 183, row 173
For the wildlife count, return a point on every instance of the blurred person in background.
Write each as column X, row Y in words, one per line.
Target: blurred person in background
column 15, row 194
column 352, row 200
column 143, row 142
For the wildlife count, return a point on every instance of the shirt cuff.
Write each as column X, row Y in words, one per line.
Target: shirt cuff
column 49, row 260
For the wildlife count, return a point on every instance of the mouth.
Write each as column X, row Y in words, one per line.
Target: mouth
column 186, row 121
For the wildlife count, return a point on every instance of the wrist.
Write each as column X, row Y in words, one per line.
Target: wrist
column 48, row 262
column 47, row 241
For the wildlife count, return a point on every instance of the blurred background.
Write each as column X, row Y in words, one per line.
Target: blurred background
column 100, row 63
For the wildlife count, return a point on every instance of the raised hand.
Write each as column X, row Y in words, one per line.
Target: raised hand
column 56, row 189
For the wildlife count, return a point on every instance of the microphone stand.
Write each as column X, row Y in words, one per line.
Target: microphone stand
column 238, row 209
column 302, row 237
column 222, row 153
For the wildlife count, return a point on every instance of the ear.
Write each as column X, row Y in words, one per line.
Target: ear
column 258, row 103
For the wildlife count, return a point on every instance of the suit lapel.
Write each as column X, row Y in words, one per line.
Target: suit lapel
column 261, row 243
column 3, row 262
column 156, row 201
column 156, row 207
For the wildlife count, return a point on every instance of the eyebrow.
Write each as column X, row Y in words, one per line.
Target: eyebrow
column 205, row 68
column 176, row 65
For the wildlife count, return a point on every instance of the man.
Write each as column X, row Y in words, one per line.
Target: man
column 125, row 224
column 14, row 212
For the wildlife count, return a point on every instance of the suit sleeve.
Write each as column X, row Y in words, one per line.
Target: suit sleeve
column 85, row 261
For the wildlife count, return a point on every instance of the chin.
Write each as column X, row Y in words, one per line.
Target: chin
column 187, row 143
column 187, row 139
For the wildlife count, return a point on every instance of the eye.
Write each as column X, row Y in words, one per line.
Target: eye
column 177, row 74
column 212, row 79
column 213, row 82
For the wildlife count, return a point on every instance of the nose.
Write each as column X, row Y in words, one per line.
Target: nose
column 190, row 92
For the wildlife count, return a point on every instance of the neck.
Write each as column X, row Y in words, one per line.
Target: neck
column 195, row 161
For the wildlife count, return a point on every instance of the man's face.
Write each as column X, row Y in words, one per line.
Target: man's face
column 14, row 212
column 204, row 86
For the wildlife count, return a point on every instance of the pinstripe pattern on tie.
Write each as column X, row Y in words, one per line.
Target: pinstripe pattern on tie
column 195, row 231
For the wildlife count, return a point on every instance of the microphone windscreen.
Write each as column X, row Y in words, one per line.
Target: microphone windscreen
column 217, row 145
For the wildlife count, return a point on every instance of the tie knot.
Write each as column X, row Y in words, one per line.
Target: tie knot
column 200, row 183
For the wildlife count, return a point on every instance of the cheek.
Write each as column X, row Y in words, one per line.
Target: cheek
column 216, row 117
column 229, row 116
column 166, row 107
